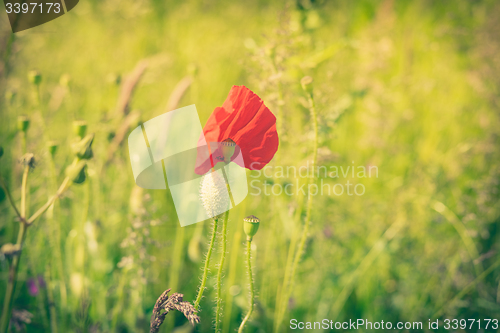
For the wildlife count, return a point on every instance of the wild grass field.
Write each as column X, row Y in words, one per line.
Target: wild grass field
column 406, row 89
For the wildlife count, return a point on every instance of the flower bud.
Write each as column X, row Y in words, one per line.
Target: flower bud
column 250, row 226
column 52, row 147
column 35, row 77
column 80, row 128
column 76, row 172
column 23, row 123
column 83, row 148
column 213, row 193
column 1, row 151
column 227, row 147
column 307, row 84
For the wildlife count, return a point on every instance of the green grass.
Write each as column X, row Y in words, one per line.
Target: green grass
column 409, row 87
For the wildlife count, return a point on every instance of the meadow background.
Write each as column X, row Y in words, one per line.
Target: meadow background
column 411, row 87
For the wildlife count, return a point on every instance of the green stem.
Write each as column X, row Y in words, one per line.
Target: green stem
column 50, row 299
column 14, row 267
column 178, row 258
column 207, row 264
column 9, row 196
column 298, row 254
column 11, row 284
column 219, row 273
column 56, row 234
column 252, row 293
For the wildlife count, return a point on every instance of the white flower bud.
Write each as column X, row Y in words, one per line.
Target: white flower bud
column 214, row 195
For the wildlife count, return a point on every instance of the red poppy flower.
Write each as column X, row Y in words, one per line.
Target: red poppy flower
column 244, row 119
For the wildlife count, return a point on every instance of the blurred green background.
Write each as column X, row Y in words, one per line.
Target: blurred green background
column 411, row 87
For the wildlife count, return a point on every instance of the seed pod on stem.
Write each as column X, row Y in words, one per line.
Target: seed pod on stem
column 83, row 148
column 52, row 147
column 35, row 77
column 23, row 123
column 80, row 128
column 307, row 84
column 250, row 226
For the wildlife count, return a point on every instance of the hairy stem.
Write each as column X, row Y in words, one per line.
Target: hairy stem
column 219, row 273
column 207, row 264
column 303, row 238
column 223, row 255
column 252, row 293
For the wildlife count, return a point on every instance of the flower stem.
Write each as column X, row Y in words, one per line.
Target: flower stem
column 300, row 250
column 219, row 273
column 11, row 283
column 9, row 196
column 252, row 293
column 207, row 264
column 14, row 267
column 223, row 254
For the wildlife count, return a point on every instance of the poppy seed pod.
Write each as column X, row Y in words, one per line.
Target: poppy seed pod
column 52, row 147
column 35, row 77
column 307, row 84
column 23, row 123
column 213, row 194
column 80, row 128
column 76, row 172
column 250, row 226
column 228, row 147
column 83, row 148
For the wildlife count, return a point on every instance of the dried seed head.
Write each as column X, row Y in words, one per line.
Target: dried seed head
column 28, row 160
column 307, row 84
column 35, row 77
column 213, row 194
column 23, row 123
column 80, row 128
column 52, row 147
column 227, row 147
column 250, row 226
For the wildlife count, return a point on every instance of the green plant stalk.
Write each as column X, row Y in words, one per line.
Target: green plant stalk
column 178, row 259
column 298, row 254
column 25, row 223
column 223, row 256
column 14, row 267
column 56, row 234
column 252, row 292
column 233, row 264
column 207, row 265
column 50, row 298
column 219, row 273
